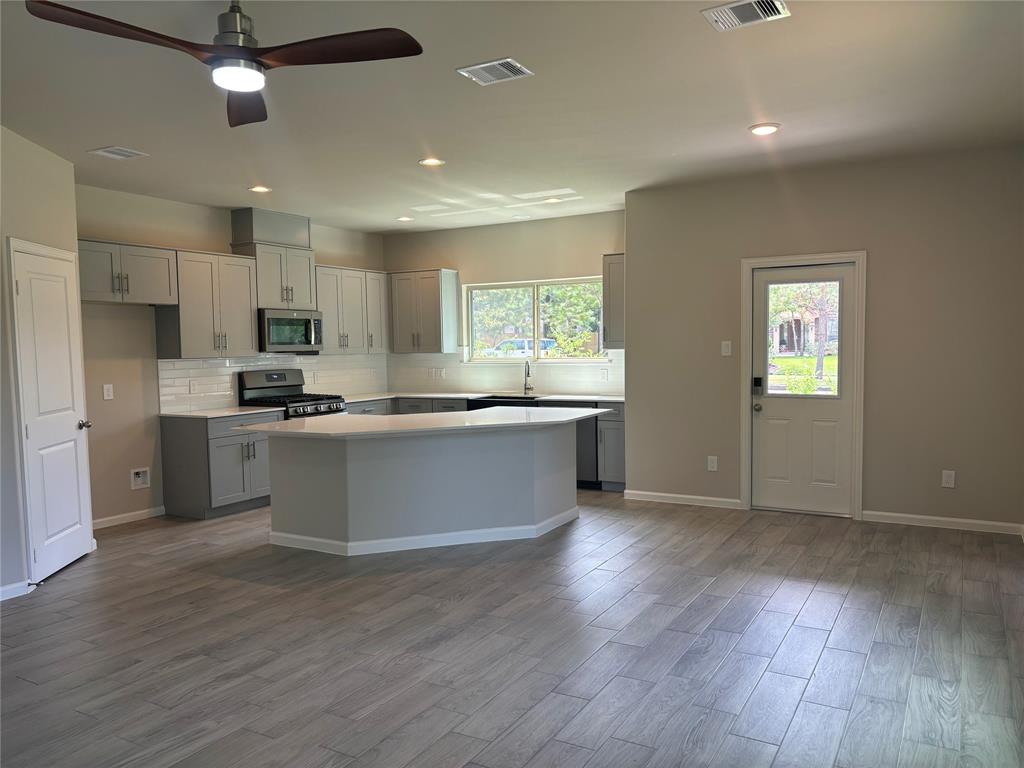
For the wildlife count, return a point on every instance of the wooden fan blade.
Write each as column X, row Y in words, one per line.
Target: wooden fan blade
column 367, row 45
column 246, row 108
column 73, row 17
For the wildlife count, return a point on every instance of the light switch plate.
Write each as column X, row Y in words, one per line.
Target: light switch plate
column 108, row 391
column 712, row 463
column 948, row 478
column 726, row 349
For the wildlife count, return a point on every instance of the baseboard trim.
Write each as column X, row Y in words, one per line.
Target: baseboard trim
column 958, row 523
column 424, row 541
column 682, row 498
column 128, row 517
column 19, row 588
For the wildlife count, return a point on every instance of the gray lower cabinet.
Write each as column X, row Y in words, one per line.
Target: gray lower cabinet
column 611, row 451
column 448, row 404
column 209, row 469
column 586, row 441
column 415, row 405
column 371, row 408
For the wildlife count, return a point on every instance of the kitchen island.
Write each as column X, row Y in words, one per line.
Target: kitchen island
column 351, row 485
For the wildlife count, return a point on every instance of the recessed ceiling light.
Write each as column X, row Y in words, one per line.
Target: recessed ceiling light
column 259, row 188
column 404, row 218
column 765, row 129
column 553, row 200
column 432, row 162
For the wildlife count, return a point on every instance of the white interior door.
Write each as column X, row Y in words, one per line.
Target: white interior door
column 802, row 421
column 51, row 383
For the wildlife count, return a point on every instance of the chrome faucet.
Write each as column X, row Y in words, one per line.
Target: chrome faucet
column 527, row 386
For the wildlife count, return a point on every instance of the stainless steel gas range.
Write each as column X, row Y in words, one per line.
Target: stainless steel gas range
column 283, row 387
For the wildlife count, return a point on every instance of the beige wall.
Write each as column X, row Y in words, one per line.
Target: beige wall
column 37, row 203
column 944, row 235
column 120, row 349
column 106, row 214
column 532, row 250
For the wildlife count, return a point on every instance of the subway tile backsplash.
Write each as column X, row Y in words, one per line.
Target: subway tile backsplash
column 195, row 385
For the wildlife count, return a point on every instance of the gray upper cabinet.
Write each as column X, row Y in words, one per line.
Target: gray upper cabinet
column 216, row 314
column 287, row 276
column 614, row 300
column 127, row 274
column 376, row 313
column 341, row 297
column 425, row 311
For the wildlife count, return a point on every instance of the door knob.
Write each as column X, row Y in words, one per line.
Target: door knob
column 83, row 424
column 757, row 406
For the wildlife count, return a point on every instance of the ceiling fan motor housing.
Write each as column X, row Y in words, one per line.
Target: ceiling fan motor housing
column 235, row 28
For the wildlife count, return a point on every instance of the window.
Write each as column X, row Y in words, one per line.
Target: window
column 803, row 338
column 544, row 320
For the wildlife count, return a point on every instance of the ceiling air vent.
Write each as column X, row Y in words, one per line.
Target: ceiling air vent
column 117, row 153
column 491, row 72
column 745, row 13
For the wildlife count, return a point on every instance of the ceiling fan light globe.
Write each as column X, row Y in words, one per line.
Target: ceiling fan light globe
column 238, row 75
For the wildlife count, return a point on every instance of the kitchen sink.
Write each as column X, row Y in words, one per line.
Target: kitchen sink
column 501, row 396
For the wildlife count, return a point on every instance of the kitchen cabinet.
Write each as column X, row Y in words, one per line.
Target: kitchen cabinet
column 211, row 470
column 216, row 311
column 376, row 313
column 127, row 274
column 613, row 285
column 370, row 408
column 286, row 277
column 341, row 297
column 448, row 404
column 611, row 451
column 425, row 311
column 586, row 441
column 415, row 405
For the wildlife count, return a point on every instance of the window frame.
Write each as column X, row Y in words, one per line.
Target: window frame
column 536, row 286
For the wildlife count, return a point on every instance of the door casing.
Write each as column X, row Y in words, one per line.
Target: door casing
column 855, row 359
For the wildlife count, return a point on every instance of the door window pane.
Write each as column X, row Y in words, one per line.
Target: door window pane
column 803, row 338
column 502, row 322
column 570, row 319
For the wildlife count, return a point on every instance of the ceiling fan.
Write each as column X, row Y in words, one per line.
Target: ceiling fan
column 235, row 58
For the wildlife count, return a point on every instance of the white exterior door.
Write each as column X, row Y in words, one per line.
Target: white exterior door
column 51, row 384
column 803, row 416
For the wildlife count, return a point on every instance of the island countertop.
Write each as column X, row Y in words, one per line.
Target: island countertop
column 347, row 426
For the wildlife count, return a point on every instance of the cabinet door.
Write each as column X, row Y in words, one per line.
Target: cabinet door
column 376, row 313
column 198, row 306
column 237, row 278
column 229, row 471
column 415, row 405
column 403, row 312
column 150, row 275
column 442, row 406
column 428, row 301
column 328, row 301
column 301, row 278
column 611, row 451
column 259, row 466
column 270, row 277
column 99, row 265
column 614, row 301
column 353, row 310
column 371, row 408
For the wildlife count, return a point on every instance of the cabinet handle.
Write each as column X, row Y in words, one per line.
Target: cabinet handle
column 291, row 293
column 284, row 294
column 371, row 341
column 346, row 340
column 253, row 456
column 127, row 285
column 225, row 340
column 245, row 451
column 216, row 340
column 115, row 283
column 600, row 436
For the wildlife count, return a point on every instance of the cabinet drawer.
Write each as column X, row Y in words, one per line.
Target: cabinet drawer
column 449, row 405
column 370, row 408
column 224, row 426
column 414, row 405
column 618, row 412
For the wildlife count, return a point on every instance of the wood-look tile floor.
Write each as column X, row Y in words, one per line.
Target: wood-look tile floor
column 640, row 635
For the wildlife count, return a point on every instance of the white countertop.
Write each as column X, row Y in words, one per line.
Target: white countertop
column 362, row 398
column 346, row 425
column 220, row 413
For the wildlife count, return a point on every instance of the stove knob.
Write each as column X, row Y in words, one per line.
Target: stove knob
column 301, row 409
column 335, row 406
column 321, row 408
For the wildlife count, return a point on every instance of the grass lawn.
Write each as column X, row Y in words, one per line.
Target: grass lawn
column 805, row 365
column 803, row 368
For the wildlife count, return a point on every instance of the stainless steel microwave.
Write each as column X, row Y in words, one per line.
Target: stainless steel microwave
column 291, row 330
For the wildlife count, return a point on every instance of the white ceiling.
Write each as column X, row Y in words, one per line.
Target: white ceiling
column 626, row 94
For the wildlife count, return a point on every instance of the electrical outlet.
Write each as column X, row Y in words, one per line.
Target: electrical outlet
column 712, row 463
column 604, row 374
column 108, row 391
column 193, row 387
column 140, row 478
column 443, row 372
column 726, row 349
column 948, row 478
